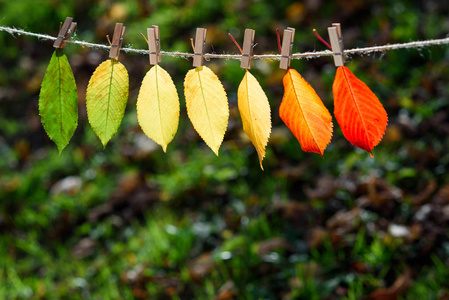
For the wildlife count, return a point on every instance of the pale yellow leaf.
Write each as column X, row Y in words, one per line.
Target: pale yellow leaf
column 207, row 105
column 158, row 106
column 255, row 112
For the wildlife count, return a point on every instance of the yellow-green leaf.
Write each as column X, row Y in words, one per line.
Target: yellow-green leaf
column 106, row 98
column 207, row 105
column 255, row 112
column 158, row 106
column 58, row 100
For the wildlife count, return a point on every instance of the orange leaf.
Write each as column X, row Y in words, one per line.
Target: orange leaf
column 305, row 114
column 359, row 113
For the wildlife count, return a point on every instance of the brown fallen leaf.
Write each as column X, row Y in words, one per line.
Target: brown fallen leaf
column 70, row 185
column 326, row 187
column 415, row 232
column 140, row 293
column 316, row 236
column 226, row 292
column 292, row 210
column 425, row 194
column 360, row 267
column 201, row 266
column 345, row 221
column 442, row 196
column 85, row 247
column 402, row 283
column 272, row 244
column 443, row 295
column 380, row 192
column 290, row 172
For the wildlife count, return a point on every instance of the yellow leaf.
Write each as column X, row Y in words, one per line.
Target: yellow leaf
column 207, row 105
column 255, row 112
column 158, row 106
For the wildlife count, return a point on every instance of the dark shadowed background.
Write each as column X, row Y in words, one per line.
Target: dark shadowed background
column 129, row 221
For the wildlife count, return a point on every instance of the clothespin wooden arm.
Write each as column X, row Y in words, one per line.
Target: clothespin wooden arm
column 248, row 46
column 64, row 33
column 287, row 47
column 117, row 40
column 200, row 45
column 336, row 39
column 154, row 45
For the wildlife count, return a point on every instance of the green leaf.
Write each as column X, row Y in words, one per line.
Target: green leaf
column 106, row 98
column 58, row 100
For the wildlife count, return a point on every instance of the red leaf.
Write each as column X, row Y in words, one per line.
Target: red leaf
column 358, row 111
column 305, row 114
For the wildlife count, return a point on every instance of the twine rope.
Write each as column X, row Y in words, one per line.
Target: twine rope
column 306, row 55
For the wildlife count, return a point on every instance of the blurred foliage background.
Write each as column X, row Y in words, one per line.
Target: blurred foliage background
column 131, row 222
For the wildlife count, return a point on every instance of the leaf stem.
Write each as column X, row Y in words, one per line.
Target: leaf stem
column 279, row 40
column 235, row 42
column 144, row 38
column 109, row 41
column 321, row 39
column 193, row 46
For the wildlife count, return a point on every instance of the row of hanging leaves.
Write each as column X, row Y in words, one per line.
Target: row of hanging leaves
column 361, row 116
column 358, row 111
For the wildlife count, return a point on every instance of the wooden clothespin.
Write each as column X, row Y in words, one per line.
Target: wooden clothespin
column 247, row 51
column 117, row 40
column 287, row 47
column 154, row 44
column 336, row 39
column 64, row 33
column 200, row 45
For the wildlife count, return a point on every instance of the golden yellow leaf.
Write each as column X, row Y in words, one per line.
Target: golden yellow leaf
column 255, row 112
column 158, row 106
column 207, row 105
